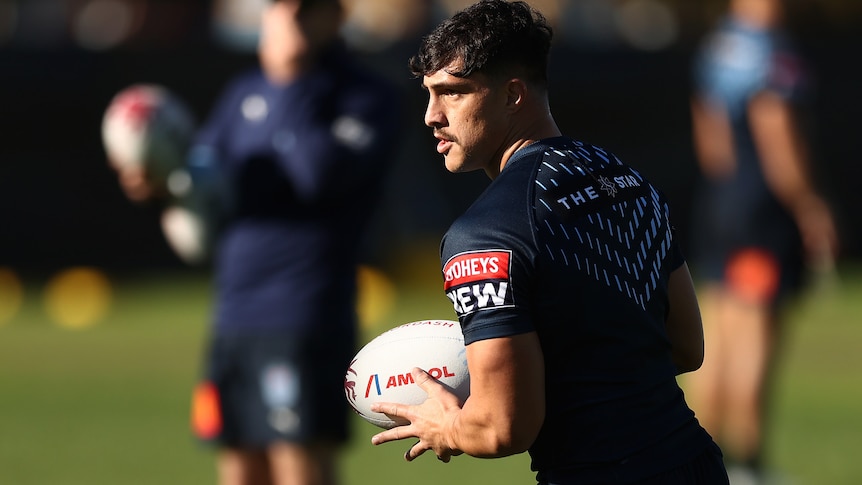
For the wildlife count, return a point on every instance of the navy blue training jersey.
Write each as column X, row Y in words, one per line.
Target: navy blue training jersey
column 578, row 247
column 304, row 164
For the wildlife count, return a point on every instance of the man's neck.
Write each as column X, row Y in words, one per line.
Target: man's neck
column 543, row 128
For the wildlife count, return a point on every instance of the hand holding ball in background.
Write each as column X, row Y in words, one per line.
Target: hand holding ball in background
column 147, row 132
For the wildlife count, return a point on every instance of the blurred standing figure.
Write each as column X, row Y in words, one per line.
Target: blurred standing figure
column 757, row 222
column 301, row 146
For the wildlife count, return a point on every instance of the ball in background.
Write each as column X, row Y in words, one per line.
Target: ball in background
column 147, row 127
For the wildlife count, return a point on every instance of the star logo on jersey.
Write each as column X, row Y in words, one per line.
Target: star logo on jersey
column 607, row 186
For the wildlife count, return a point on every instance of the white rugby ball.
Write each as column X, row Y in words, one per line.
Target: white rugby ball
column 147, row 126
column 381, row 370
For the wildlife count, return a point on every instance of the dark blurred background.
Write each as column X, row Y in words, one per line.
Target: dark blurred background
column 620, row 78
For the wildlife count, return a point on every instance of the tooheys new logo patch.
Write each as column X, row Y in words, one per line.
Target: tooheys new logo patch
column 478, row 280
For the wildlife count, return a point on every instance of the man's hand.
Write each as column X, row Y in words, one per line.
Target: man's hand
column 431, row 422
column 138, row 185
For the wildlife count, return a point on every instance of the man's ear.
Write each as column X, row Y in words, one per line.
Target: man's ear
column 516, row 93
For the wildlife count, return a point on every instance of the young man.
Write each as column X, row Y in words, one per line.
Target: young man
column 757, row 217
column 303, row 145
column 576, row 360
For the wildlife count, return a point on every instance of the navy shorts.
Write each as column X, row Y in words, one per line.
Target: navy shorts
column 746, row 240
column 707, row 468
column 263, row 389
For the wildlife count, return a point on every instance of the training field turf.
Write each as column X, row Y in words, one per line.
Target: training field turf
column 108, row 404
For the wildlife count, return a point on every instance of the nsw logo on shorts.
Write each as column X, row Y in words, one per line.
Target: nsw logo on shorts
column 478, row 280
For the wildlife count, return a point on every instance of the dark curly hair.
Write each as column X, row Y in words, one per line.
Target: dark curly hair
column 494, row 37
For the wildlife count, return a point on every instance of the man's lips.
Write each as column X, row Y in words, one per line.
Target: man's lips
column 443, row 145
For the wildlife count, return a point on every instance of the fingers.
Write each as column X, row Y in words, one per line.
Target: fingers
column 415, row 450
column 418, row 448
column 388, row 408
column 420, row 419
column 425, row 382
column 409, row 455
column 392, row 410
column 394, row 434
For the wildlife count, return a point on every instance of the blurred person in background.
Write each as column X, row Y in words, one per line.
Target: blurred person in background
column 758, row 220
column 294, row 156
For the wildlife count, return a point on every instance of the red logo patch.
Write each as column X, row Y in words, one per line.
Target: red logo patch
column 476, row 266
column 478, row 280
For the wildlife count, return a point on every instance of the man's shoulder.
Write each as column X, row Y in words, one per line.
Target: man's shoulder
column 564, row 147
column 571, row 159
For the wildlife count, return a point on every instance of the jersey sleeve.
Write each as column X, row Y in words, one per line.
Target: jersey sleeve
column 488, row 263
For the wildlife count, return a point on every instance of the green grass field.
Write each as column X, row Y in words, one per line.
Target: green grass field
column 109, row 404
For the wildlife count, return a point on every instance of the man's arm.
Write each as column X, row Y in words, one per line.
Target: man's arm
column 713, row 141
column 786, row 167
column 683, row 324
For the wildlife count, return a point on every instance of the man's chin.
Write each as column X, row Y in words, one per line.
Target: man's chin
column 453, row 163
column 451, row 166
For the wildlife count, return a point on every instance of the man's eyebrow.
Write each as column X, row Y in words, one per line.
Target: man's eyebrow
column 457, row 84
